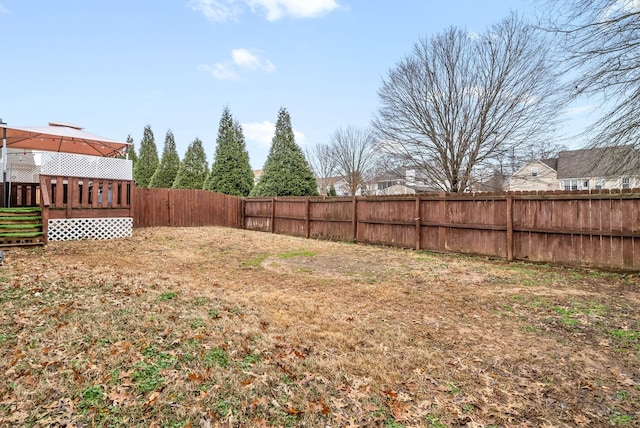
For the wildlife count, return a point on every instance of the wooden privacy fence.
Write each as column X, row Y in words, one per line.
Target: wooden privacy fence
column 183, row 207
column 569, row 228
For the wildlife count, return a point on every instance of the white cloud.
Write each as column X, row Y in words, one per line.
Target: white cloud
column 259, row 132
column 244, row 58
column 217, row 10
column 241, row 59
column 220, row 71
column 276, row 9
column 4, row 10
column 263, row 132
column 228, row 10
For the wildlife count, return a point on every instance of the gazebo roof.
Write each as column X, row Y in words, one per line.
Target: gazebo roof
column 62, row 137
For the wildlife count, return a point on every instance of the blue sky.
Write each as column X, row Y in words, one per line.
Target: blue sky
column 115, row 66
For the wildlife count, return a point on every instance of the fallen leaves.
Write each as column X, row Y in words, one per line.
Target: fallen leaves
column 333, row 350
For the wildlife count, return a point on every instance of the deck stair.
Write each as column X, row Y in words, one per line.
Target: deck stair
column 21, row 227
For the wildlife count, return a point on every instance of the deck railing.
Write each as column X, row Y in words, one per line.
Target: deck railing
column 83, row 197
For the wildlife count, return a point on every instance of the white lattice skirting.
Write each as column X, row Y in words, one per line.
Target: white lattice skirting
column 89, row 228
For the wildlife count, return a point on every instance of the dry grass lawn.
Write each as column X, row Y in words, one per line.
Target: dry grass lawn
column 203, row 327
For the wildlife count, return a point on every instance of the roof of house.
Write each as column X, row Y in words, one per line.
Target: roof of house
column 551, row 163
column 599, row 162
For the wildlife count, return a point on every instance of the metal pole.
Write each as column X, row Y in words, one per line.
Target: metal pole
column 5, row 191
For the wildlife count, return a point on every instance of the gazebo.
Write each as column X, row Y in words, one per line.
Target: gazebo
column 60, row 182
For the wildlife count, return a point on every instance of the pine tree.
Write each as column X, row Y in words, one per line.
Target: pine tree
column 231, row 172
column 194, row 169
column 286, row 171
column 148, row 161
column 131, row 151
column 169, row 164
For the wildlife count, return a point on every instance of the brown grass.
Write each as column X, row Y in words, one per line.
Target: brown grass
column 210, row 326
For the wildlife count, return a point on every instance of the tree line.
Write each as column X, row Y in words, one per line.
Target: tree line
column 285, row 173
column 459, row 108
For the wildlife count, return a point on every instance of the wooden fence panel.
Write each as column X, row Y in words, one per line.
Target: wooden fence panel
column 152, row 208
column 331, row 219
column 257, row 214
column 429, row 220
column 290, row 217
column 185, row 208
column 386, row 221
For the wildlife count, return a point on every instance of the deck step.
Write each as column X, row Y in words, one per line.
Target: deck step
column 21, row 227
column 17, row 226
column 19, row 218
column 20, row 210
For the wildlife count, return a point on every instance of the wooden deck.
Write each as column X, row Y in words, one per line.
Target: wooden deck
column 32, row 205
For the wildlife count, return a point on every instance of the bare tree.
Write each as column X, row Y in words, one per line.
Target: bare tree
column 601, row 42
column 508, row 163
column 322, row 162
column 460, row 100
column 354, row 155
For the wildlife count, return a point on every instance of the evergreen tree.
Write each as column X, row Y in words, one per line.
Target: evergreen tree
column 194, row 169
column 131, row 151
column 231, row 172
column 148, row 161
column 169, row 164
column 286, row 171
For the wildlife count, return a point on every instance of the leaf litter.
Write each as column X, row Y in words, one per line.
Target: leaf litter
column 213, row 327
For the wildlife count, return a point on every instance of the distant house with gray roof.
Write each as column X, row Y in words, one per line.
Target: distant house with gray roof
column 584, row 169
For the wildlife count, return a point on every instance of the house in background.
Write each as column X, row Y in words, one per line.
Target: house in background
column 400, row 181
column 585, row 169
column 536, row 175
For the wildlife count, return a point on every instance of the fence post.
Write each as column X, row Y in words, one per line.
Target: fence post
column 243, row 208
column 442, row 217
column 308, row 222
column 354, row 219
column 418, row 220
column 273, row 213
column 131, row 201
column 509, row 228
column 169, row 208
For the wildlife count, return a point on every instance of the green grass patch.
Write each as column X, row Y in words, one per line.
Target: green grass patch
column 147, row 377
column 168, row 296
column 255, row 262
column 434, row 421
column 91, row 396
column 621, row 419
column 250, row 360
column 197, row 323
column 625, row 335
column 217, row 357
column 300, row 253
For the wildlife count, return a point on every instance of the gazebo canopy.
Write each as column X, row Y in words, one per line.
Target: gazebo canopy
column 62, row 137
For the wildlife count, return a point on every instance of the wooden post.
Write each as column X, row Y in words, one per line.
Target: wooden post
column 308, row 221
column 71, row 193
column 354, row 219
column 131, row 188
column 169, row 208
column 45, row 202
column 442, row 220
column 509, row 228
column 242, row 215
column 418, row 220
column 273, row 213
